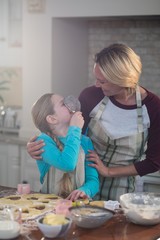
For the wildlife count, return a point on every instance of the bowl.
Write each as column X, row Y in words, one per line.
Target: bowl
column 56, row 230
column 90, row 216
column 141, row 208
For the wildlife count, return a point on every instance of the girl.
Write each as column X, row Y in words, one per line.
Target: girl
column 63, row 168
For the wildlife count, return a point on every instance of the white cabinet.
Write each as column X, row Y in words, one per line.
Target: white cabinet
column 3, row 164
column 13, row 165
column 9, row 165
column 29, row 170
column 16, row 165
column 151, row 182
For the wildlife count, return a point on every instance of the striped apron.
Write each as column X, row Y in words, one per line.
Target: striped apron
column 117, row 152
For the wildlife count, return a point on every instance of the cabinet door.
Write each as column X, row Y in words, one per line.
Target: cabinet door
column 13, row 165
column 3, row 165
column 29, row 170
column 151, row 182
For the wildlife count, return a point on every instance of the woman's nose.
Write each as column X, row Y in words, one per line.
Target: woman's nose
column 97, row 84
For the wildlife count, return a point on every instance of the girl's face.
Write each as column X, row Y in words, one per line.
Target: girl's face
column 108, row 88
column 61, row 112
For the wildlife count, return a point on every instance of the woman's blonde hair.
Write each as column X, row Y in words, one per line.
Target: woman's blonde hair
column 40, row 110
column 120, row 65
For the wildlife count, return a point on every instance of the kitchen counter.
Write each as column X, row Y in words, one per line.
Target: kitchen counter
column 12, row 138
column 117, row 228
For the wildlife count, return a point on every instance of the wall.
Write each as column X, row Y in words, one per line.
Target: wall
column 38, row 60
column 70, row 56
column 103, row 8
column 142, row 34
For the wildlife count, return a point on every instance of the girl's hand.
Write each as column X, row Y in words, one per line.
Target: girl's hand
column 97, row 163
column 77, row 120
column 34, row 148
column 77, row 194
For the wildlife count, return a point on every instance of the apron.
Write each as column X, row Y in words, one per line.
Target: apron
column 117, row 152
column 54, row 175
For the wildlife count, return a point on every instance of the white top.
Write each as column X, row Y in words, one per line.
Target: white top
column 118, row 122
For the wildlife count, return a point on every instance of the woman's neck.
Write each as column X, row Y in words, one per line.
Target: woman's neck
column 125, row 98
column 129, row 99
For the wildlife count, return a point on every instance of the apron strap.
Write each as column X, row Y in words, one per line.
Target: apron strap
column 139, row 110
column 101, row 107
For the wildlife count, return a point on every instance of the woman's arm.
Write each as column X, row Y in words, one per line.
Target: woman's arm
column 120, row 171
column 35, row 148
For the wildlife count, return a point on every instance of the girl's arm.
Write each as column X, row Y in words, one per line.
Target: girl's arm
column 66, row 159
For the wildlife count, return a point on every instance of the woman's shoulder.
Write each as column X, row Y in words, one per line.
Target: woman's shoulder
column 89, row 98
column 92, row 91
column 151, row 99
column 152, row 103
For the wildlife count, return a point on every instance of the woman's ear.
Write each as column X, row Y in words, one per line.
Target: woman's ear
column 51, row 119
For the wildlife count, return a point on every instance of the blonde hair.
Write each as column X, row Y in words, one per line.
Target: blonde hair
column 120, row 65
column 40, row 110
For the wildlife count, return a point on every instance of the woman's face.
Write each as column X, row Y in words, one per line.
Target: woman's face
column 108, row 88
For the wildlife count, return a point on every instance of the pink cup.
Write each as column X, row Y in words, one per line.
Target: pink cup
column 62, row 206
column 23, row 188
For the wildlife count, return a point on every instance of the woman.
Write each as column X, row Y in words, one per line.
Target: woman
column 123, row 121
column 63, row 169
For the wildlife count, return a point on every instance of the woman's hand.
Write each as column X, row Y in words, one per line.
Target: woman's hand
column 77, row 194
column 97, row 163
column 34, row 148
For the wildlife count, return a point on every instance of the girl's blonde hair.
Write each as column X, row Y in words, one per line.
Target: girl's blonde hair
column 120, row 65
column 40, row 110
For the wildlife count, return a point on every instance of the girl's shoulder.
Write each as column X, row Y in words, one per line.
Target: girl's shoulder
column 44, row 137
column 86, row 142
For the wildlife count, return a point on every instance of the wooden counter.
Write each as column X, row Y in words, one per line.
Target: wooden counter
column 117, row 228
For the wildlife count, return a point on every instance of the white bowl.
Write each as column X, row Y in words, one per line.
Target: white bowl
column 9, row 229
column 53, row 231
column 90, row 216
column 141, row 208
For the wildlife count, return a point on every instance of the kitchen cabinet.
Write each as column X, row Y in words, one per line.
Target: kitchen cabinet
column 9, row 164
column 151, row 182
column 3, row 165
column 29, row 170
column 16, row 165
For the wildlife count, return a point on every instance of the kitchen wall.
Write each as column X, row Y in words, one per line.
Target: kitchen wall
column 52, row 33
column 140, row 33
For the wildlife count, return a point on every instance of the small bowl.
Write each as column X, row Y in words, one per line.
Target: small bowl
column 90, row 216
column 53, row 231
column 142, row 207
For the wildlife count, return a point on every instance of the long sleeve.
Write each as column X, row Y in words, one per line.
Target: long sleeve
column 152, row 161
column 65, row 160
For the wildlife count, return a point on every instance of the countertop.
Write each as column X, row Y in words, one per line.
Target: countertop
column 117, row 228
column 12, row 139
